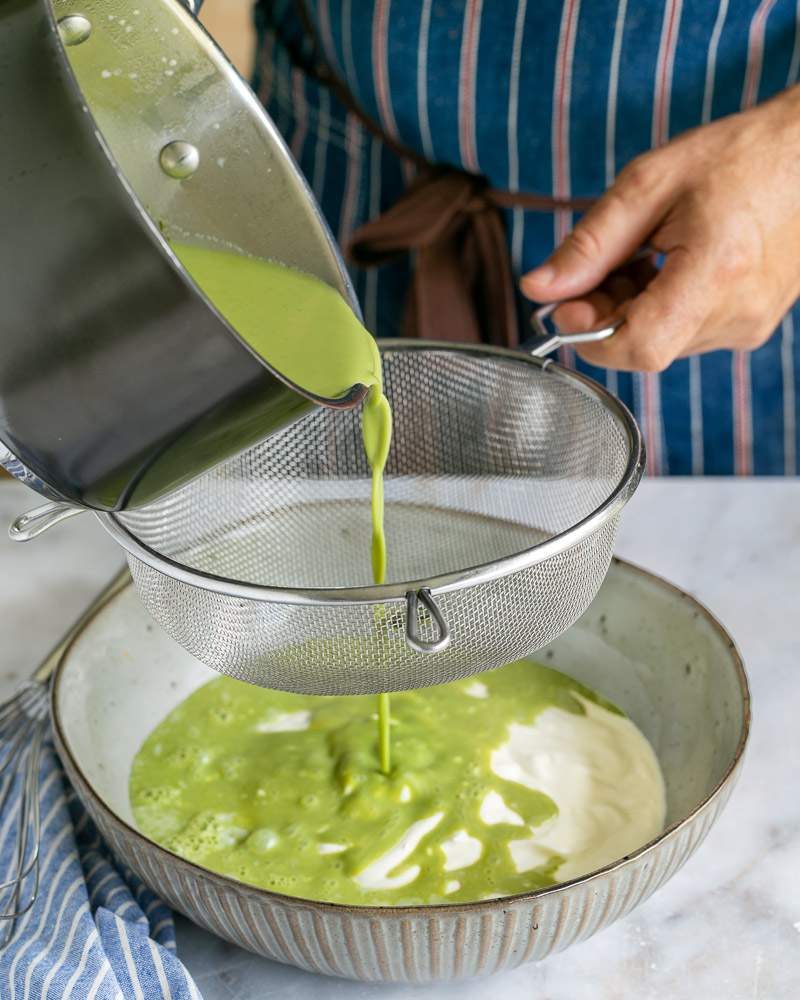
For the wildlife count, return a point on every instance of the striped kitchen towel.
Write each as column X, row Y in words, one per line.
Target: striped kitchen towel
column 96, row 932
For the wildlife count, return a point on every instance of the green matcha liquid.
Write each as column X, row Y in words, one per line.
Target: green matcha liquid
column 280, row 790
column 306, row 331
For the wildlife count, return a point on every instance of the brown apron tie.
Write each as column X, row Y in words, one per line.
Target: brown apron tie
column 462, row 287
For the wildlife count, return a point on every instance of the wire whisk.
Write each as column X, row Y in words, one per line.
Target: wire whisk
column 24, row 722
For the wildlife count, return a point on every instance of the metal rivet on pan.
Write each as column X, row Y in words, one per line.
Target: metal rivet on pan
column 74, row 29
column 179, row 159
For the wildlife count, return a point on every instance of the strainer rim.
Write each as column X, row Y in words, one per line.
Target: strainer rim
column 442, row 583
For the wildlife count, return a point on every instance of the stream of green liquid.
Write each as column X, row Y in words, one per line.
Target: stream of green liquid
column 291, row 792
column 305, row 330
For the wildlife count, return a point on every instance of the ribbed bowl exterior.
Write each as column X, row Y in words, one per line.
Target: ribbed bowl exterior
column 414, row 945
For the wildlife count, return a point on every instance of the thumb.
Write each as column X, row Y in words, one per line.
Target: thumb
column 609, row 234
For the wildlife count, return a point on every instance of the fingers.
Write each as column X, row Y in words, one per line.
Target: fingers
column 609, row 233
column 580, row 315
column 598, row 307
column 662, row 322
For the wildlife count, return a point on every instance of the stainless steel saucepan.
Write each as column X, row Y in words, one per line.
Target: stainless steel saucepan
column 121, row 123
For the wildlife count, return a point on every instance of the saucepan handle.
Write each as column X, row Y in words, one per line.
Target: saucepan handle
column 34, row 522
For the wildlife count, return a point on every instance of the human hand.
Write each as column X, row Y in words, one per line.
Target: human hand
column 722, row 204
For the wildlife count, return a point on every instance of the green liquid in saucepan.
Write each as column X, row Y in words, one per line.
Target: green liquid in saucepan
column 297, row 323
column 306, row 331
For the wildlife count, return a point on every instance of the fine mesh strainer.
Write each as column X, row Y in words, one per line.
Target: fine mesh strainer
column 504, row 486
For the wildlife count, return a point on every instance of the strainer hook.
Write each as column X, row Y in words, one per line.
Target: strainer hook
column 413, row 639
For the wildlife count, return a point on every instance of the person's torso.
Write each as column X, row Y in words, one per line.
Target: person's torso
column 552, row 97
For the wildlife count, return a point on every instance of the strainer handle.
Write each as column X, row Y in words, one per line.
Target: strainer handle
column 547, row 340
column 413, row 639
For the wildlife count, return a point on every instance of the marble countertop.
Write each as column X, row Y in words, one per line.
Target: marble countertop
column 727, row 927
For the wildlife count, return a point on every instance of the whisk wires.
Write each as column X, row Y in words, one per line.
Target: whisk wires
column 23, row 722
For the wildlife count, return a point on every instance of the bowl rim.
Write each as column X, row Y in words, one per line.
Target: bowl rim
column 195, row 870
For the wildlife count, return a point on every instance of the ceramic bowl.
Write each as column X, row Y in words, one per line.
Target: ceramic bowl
column 644, row 644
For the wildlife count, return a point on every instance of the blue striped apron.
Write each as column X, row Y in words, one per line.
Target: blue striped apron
column 552, row 97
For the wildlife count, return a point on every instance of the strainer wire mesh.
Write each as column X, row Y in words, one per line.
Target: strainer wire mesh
column 504, row 487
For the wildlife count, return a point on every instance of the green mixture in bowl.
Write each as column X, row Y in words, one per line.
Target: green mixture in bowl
column 502, row 784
